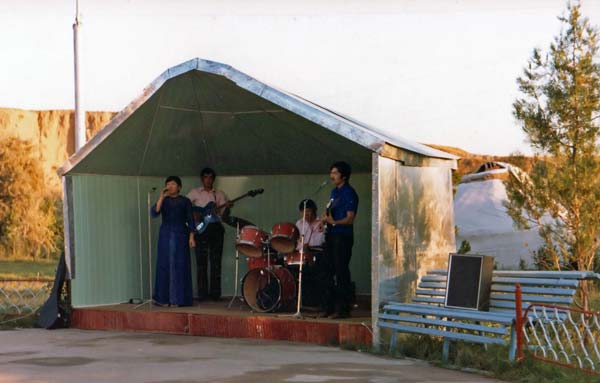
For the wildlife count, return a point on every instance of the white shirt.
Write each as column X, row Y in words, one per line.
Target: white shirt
column 312, row 236
column 201, row 197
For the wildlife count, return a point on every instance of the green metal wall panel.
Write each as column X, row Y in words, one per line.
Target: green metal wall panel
column 111, row 231
column 107, row 240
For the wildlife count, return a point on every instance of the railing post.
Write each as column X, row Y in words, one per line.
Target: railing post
column 519, row 321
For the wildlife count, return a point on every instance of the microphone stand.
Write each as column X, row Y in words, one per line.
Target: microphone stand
column 148, row 207
column 299, row 299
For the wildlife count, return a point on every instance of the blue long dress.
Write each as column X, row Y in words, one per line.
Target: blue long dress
column 173, row 283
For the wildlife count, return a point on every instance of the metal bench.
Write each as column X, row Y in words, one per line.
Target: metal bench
column 427, row 315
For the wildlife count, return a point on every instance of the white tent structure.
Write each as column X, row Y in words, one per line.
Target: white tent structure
column 482, row 219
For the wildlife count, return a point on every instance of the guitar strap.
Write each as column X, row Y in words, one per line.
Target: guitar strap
column 216, row 212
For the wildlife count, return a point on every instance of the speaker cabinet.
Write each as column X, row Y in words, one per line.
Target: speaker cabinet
column 469, row 281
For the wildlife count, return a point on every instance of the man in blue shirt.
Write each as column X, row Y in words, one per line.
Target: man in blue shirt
column 340, row 215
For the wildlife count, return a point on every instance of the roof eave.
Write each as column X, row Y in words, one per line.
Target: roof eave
column 347, row 128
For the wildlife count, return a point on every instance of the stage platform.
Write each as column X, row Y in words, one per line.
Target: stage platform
column 215, row 319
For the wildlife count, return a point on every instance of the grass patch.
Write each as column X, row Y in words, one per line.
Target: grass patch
column 492, row 361
column 12, row 323
column 16, row 269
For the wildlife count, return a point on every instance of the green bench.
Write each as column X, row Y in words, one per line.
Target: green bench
column 427, row 315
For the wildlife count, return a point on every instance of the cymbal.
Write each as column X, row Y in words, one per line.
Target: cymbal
column 234, row 221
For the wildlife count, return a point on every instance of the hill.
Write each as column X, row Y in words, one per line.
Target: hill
column 51, row 132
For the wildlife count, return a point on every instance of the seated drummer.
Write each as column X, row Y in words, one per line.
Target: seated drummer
column 318, row 284
column 312, row 228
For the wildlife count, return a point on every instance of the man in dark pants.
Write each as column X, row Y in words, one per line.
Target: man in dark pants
column 339, row 217
column 209, row 244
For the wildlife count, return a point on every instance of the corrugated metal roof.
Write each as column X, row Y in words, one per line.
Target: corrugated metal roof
column 152, row 111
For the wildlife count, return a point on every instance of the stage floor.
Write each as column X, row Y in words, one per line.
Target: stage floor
column 216, row 319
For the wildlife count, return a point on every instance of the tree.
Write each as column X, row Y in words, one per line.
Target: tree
column 28, row 213
column 558, row 109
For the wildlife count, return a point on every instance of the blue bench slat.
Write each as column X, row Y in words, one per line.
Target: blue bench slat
column 438, row 322
column 527, row 300
column 445, row 334
column 508, row 305
column 534, row 298
column 497, row 284
column 538, row 281
column 547, row 274
column 436, row 285
column 429, row 300
column 505, row 311
column 533, row 273
column 431, row 292
column 535, row 290
column 437, row 272
column 421, row 309
column 434, row 278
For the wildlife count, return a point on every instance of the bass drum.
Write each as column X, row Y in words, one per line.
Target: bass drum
column 269, row 289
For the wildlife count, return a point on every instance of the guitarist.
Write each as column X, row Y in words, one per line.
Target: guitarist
column 209, row 244
column 339, row 239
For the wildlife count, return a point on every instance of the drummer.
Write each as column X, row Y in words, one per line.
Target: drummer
column 312, row 230
column 319, row 285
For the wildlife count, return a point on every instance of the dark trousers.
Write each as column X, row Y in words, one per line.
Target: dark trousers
column 338, row 296
column 317, row 282
column 209, row 246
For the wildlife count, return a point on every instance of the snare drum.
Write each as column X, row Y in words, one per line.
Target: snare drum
column 294, row 258
column 251, row 241
column 284, row 236
column 264, row 261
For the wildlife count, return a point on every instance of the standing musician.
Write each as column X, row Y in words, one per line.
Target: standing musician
column 340, row 215
column 209, row 244
column 173, row 283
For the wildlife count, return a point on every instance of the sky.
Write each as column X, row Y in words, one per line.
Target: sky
column 434, row 71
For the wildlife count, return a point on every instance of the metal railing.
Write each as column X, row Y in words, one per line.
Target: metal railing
column 22, row 296
column 557, row 334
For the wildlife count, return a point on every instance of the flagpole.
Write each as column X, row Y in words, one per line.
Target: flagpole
column 79, row 111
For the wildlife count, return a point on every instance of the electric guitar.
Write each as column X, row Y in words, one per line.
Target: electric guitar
column 328, row 209
column 203, row 216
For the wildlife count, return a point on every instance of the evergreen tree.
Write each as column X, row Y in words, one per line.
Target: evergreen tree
column 558, row 109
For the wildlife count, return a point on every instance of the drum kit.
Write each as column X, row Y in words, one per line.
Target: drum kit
column 274, row 278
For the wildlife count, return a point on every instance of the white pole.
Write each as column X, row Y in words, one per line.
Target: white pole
column 79, row 112
column 299, row 299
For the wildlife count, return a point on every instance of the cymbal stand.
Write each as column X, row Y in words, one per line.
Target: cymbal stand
column 237, row 267
column 267, row 246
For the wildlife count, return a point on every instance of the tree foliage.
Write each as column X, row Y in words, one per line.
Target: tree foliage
column 30, row 217
column 558, row 109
